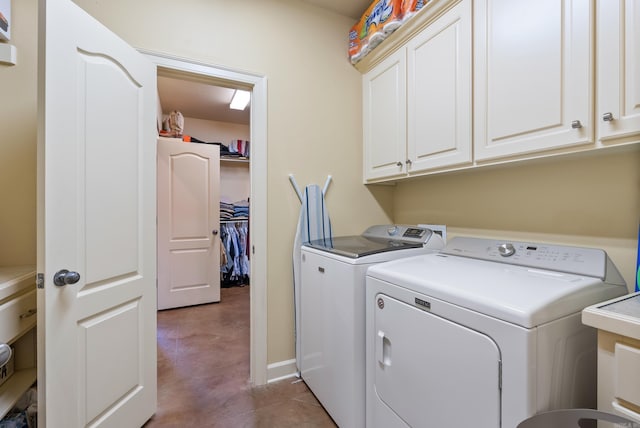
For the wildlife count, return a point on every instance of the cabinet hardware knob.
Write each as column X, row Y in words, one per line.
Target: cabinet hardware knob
column 576, row 124
column 607, row 117
column 408, row 162
column 64, row 277
column 399, row 163
column 214, row 232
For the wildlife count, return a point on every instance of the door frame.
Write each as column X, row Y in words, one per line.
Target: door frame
column 257, row 84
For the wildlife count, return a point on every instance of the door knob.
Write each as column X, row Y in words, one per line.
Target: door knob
column 64, row 277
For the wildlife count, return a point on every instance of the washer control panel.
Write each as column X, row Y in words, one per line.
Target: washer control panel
column 577, row 260
column 399, row 232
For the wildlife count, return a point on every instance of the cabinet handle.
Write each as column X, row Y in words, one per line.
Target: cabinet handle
column 576, row 124
column 399, row 163
column 29, row 313
column 607, row 117
column 408, row 162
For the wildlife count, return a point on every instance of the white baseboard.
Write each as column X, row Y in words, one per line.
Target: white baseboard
column 281, row 370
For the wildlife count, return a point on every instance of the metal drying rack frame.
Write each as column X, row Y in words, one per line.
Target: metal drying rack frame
column 297, row 189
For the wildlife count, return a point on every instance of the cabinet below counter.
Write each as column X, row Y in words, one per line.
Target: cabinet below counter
column 618, row 324
column 17, row 329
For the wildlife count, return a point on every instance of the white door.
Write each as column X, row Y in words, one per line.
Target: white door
column 439, row 97
column 431, row 372
column 188, row 223
column 533, row 79
column 96, row 219
column 385, row 118
column 618, row 72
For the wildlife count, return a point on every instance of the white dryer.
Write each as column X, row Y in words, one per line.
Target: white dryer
column 484, row 334
column 332, row 309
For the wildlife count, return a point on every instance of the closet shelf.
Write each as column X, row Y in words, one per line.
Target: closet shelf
column 234, row 220
column 234, row 159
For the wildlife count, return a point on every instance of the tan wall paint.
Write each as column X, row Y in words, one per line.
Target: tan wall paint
column 314, row 116
column 212, row 131
column 587, row 200
column 18, row 141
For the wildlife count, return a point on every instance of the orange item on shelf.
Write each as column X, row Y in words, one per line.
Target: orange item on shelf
column 380, row 19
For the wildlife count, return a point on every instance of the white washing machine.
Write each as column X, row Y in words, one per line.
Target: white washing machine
column 332, row 309
column 484, row 334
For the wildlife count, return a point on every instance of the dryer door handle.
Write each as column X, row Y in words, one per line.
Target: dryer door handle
column 383, row 349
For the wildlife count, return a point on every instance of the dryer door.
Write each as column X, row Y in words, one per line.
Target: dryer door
column 431, row 372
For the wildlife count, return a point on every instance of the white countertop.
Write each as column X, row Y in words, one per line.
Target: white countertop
column 620, row 315
column 14, row 279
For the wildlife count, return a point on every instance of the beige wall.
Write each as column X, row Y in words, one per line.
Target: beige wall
column 314, row 129
column 314, row 116
column 212, row 131
column 589, row 200
column 18, row 141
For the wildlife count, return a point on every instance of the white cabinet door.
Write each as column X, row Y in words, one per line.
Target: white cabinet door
column 188, row 224
column 533, row 79
column 384, row 92
column 618, row 53
column 439, row 97
column 97, row 218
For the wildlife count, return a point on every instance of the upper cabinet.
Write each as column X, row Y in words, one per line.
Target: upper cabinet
column 417, row 101
column 384, row 93
column 467, row 83
column 439, row 96
column 533, row 76
column 618, row 53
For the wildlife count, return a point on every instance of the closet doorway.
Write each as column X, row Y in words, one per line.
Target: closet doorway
column 193, row 72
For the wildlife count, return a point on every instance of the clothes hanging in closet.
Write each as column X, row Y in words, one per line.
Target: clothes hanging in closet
column 235, row 271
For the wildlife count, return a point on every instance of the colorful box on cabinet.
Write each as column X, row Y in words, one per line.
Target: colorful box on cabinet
column 380, row 19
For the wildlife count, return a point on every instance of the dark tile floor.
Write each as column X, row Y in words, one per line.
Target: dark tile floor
column 203, row 373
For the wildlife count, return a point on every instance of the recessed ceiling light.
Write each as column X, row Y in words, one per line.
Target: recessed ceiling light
column 240, row 99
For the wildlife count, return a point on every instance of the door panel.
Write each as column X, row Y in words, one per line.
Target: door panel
column 427, row 368
column 385, row 118
column 96, row 216
column 188, row 224
column 532, row 76
column 618, row 52
column 439, row 102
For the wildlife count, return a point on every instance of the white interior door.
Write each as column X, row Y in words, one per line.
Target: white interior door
column 188, row 223
column 96, row 218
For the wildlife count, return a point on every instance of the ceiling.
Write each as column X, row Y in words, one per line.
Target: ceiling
column 200, row 100
column 351, row 8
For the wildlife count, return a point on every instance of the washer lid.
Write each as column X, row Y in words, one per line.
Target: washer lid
column 517, row 294
column 360, row 246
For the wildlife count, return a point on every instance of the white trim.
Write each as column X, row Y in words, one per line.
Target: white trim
column 282, row 370
column 258, row 219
